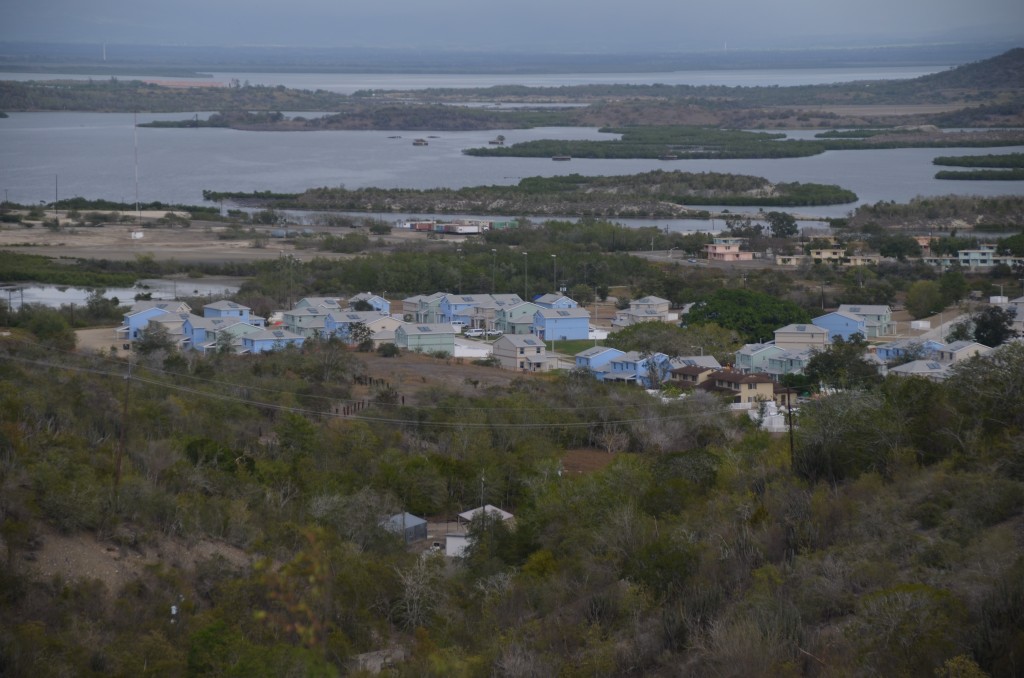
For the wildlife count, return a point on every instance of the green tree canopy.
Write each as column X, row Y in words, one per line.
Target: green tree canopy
column 753, row 315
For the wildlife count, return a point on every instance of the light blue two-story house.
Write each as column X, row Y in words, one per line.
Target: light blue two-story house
column 597, row 357
column 877, row 319
column 635, row 368
column 137, row 319
column 458, row 307
column 555, row 301
column 379, row 303
column 339, row 323
column 561, row 323
column 270, row 340
column 842, row 324
column 753, row 358
column 899, row 349
column 226, row 309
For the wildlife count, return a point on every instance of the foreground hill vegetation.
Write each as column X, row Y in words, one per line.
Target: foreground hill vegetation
column 887, row 543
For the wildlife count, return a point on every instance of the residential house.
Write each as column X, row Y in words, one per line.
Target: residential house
column 841, row 324
column 379, row 303
column 929, row 369
column 339, row 323
column 877, row 319
column 270, row 340
column 899, row 349
column 555, row 301
column 516, row 319
column 323, row 303
column 426, row 337
column 690, row 376
column 523, row 352
column 141, row 312
column 430, row 309
column 789, row 259
column 459, row 307
column 233, row 330
column 789, row 362
column 739, row 387
column 726, row 249
column 645, row 309
column 226, row 309
column 596, row 357
column 634, row 368
column 306, row 321
column 754, row 357
column 960, row 350
column 561, row 323
column 828, row 255
column 174, row 325
column 797, row 337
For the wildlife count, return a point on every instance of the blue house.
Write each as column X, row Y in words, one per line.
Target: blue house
column 458, row 307
column 142, row 312
column 635, row 368
column 561, row 323
column 754, row 357
column 379, row 303
column 841, row 324
column 339, row 323
column 226, row 309
column 896, row 350
column 597, row 357
column 555, row 301
column 270, row 340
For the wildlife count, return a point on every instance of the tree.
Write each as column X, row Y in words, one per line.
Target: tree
column 924, row 298
column 953, row 286
column 153, row 338
column 583, row 294
column 658, row 337
column 754, row 315
column 842, row 365
column 782, row 224
column 993, row 326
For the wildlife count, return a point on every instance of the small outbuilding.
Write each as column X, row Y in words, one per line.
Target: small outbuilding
column 413, row 527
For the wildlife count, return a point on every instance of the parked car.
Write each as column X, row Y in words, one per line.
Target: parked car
column 473, row 332
column 493, row 333
column 692, row 261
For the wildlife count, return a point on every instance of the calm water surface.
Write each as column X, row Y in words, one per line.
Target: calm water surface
column 93, row 155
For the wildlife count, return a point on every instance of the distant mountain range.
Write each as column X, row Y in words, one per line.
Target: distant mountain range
column 99, row 59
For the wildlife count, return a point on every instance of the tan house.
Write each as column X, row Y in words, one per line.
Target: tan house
column 799, row 337
column 523, row 352
column 690, row 376
column 832, row 255
column 645, row 309
column 960, row 350
column 744, row 388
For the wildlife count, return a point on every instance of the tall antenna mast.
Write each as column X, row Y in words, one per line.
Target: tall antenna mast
column 135, row 136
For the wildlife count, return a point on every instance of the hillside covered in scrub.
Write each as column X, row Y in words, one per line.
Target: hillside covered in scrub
column 888, row 541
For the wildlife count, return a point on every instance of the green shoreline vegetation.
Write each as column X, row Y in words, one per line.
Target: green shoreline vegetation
column 650, row 194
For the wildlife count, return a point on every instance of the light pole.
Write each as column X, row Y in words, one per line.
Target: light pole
column 494, row 264
column 526, row 296
column 671, row 251
column 460, row 269
column 554, row 273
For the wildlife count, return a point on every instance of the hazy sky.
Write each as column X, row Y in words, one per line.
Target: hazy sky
column 550, row 25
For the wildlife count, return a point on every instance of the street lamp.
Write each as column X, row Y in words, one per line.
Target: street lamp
column 459, row 251
column 554, row 274
column 671, row 251
column 494, row 263
column 526, row 296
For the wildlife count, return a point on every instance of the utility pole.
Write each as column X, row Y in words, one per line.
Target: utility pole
column 494, row 264
column 554, row 273
column 124, row 428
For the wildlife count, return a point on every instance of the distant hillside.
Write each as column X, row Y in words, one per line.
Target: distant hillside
column 1003, row 72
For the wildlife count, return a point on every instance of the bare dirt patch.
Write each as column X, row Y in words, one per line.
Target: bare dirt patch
column 83, row 556
column 585, row 460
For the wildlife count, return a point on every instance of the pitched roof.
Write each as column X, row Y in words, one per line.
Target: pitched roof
column 559, row 313
column 806, row 328
column 225, row 305
column 651, row 300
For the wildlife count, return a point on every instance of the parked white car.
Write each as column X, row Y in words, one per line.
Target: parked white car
column 473, row 332
column 492, row 333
